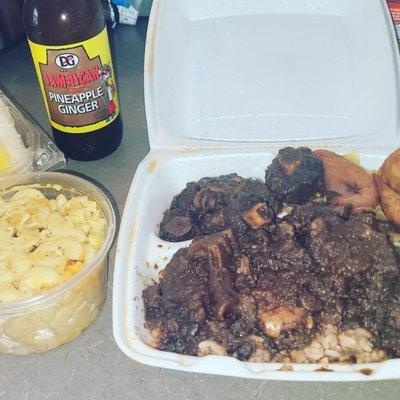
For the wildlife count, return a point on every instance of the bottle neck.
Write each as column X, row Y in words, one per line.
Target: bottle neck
column 63, row 22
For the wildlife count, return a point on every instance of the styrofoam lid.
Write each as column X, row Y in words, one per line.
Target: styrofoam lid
column 220, row 73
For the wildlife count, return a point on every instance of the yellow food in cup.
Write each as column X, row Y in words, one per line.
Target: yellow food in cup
column 5, row 159
column 45, row 241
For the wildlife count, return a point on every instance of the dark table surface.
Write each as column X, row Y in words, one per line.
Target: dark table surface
column 92, row 366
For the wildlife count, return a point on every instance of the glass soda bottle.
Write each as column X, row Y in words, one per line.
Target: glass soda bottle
column 71, row 53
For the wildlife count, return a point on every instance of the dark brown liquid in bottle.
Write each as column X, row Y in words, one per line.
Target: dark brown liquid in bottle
column 63, row 22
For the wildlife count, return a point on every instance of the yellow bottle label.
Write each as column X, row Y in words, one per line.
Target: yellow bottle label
column 78, row 84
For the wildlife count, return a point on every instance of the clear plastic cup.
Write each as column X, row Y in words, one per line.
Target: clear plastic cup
column 57, row 316
column 36, row 152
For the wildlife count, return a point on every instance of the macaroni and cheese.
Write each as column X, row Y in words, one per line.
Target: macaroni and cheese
column 45, row 241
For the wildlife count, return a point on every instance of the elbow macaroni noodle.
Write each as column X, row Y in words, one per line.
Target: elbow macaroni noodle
column 45, row 242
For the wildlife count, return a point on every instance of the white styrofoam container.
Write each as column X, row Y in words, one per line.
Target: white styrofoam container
column 227, row 83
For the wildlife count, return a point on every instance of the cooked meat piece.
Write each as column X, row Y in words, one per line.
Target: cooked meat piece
column 295, row 175
column 177, row 225
column 217, row 253
column 214, row 204
column 174, row 308
column 259, row 215
column 212, row 198
column 184, row 200
column 208, row 193
column 302, row 216
column 347, row 183
column 340, row 248
column 281, row 283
